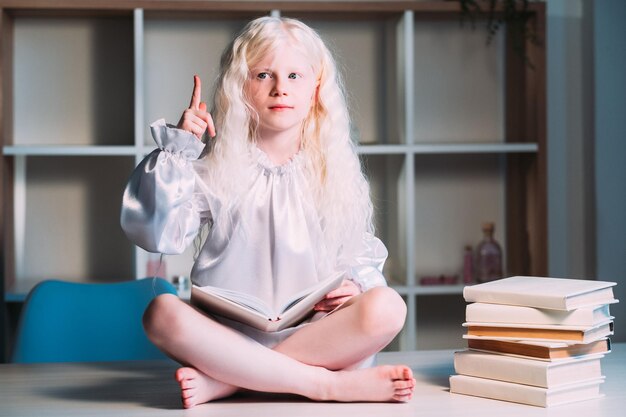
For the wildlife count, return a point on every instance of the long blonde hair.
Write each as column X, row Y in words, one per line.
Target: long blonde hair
column 332, row 167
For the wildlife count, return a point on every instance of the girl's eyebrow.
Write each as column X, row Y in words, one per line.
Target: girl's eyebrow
column 301, row 69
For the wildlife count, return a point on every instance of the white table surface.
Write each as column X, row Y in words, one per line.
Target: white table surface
column 148, row 389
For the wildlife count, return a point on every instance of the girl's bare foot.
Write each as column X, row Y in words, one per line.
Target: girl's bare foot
column 383, row 383
column 198, row 388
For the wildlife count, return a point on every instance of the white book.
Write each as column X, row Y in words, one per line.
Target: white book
column 527, row 371
column 503, row 313
column 525, row 394
column 254, row 312
column 545, row 332
column 550, row 293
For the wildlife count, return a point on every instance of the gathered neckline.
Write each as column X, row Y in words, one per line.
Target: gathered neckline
column 263, row 160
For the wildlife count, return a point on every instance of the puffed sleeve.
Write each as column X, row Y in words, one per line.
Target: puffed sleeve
column 159, row 213
column 366, row 269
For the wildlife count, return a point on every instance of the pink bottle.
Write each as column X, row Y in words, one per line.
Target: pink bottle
column 488, row 256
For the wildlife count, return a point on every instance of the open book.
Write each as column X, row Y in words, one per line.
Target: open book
column 254, row 312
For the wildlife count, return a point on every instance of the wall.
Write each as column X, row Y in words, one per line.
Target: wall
column 586, row 62
column 570, row 124
column 610, row 150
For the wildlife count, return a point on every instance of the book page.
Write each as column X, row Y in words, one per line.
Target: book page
column 316, row 292
column 245, row 300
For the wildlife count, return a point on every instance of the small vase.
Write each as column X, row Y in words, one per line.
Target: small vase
column 488, row 256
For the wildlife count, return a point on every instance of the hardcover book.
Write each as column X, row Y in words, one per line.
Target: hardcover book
column 550, row 293
column 525, row 394
column 527, row 371
column 502, row 313
column 254, row 312
column 547, row 351
column 512, row 331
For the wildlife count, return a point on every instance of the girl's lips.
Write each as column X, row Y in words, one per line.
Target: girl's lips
column 280, row 107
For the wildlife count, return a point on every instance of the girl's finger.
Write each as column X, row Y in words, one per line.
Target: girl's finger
column 197, row 93
column 207, row 118
column 344, row 290
column 194, row 125
column 210, row 125
column 327, row 305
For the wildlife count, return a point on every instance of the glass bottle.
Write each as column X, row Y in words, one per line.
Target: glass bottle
column 488, row 256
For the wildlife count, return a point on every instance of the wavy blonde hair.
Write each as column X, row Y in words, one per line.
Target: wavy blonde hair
column 331, row 164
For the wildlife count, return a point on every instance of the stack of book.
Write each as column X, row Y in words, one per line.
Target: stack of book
column 535, row 340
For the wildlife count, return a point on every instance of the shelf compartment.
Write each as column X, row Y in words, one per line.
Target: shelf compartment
column 177, row 48
column 365, row 48
column 459, row 83
column 434, row 319
column 454, row 195
column 72, row 206
column 385, row 174
column 90, row 101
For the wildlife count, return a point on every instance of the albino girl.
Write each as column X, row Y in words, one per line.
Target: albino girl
column 281, row 192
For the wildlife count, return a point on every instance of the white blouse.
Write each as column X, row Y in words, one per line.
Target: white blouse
column 273, row 246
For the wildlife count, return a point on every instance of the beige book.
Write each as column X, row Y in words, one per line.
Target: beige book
column 512, row 331
column 547, row 351
column 527, row 371
column 502, row 313
column 525, row 394
column 551, row 293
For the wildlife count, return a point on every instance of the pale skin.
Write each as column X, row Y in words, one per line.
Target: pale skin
column 318, row 361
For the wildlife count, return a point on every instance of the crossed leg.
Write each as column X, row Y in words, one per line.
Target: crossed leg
column 311, row 362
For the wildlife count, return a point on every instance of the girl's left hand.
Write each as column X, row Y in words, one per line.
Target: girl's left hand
column 337, row 297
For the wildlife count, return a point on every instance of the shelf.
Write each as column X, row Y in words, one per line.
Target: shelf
column 429, row 289
column 69, row 150
column 453, row 148
column 448, row 148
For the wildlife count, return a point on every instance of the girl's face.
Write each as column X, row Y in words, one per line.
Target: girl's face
column 282, row 88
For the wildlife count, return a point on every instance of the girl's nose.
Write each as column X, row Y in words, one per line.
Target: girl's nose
column 279, row 88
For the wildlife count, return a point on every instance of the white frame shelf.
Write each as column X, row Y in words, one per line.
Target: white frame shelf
column 407, row 149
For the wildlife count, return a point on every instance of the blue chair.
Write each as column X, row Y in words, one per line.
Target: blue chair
column 79, row 322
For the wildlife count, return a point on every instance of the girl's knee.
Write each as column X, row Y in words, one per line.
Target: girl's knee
column 384, row 311
column 160, row 314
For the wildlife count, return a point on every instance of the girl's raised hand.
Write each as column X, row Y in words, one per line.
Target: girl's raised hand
column 196, row 119
column 337, row 297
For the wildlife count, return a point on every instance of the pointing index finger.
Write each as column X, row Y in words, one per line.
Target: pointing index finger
column 197, row 93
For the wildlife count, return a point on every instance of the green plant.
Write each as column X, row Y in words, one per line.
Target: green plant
column 512, row 13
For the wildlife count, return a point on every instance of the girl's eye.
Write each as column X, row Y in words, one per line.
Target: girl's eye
column 294, row 76
column 263, row 75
